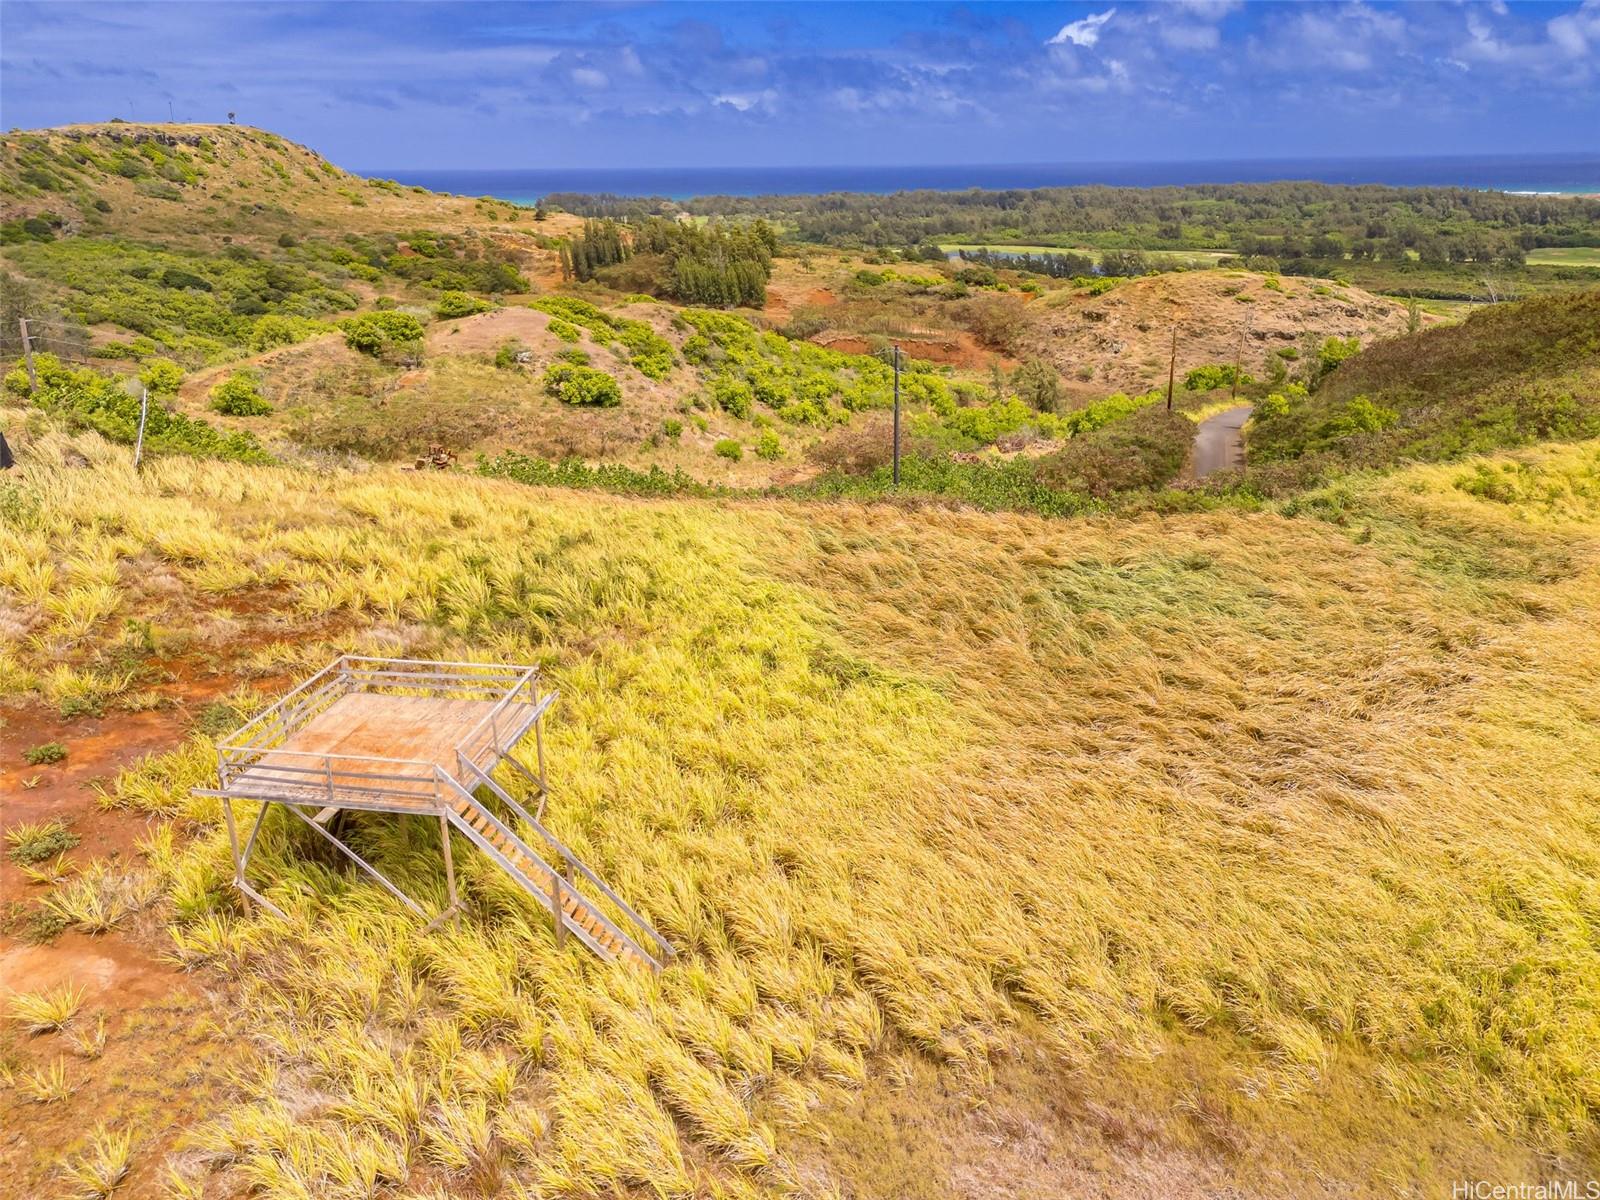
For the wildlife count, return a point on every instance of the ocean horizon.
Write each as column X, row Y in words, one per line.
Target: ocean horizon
column 1552, row 174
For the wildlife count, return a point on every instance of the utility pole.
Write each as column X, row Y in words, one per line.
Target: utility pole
column 1172, row 366
column 897, row 414
column 1238, row 355
column 27, row 352
column 144, row 415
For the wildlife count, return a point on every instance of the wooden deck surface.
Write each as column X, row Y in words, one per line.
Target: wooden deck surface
column 360, row 725
column 423, row 728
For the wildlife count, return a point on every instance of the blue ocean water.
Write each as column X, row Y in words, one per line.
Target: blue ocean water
column 1560, row 173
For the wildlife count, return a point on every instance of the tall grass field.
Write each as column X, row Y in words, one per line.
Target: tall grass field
column 1282, row 826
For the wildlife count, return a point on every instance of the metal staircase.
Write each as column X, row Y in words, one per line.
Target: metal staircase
column 557, row 890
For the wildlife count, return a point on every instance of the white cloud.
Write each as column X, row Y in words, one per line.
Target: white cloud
column 1208, row 10
column 1345, row 37
column 1082, row 33
column 588, row 77
column 1182, row 35
column 746, row 101
column 1573, row 33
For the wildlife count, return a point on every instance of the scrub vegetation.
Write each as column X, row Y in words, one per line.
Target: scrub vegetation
column 1236, row 837
column 1170, row 698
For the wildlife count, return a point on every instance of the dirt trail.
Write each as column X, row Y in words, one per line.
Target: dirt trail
column 1219, row 442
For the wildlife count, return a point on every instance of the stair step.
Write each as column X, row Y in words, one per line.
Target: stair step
column 577, row 908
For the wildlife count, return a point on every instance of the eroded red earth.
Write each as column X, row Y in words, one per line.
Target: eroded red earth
column 163, row 1066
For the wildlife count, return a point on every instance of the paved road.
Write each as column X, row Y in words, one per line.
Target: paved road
column 1219, row 442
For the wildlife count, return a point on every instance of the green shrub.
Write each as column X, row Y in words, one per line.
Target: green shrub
column 1214, row 375
column 459, row 304
column 610, row 477
column 377, row 332
column 162, row 376
column 44, row 754
column 583, row 386
column 33, row 842
column 565, row 330
column 575, row 356
column 1359, row 415
column 276, row 329
column 729, row 448
column 1006, row 485
column 1142, row 450
column 1103, row 412
column 768, row 446
column 733, row 396
column 507, row 356
column 238, row 396
column 650, row 354
column 1037, row 385
column 173, row 277
column 1334, row 351
column 672, row 428
column 88, row 400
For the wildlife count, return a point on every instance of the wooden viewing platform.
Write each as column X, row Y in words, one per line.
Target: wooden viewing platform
column 409, row 736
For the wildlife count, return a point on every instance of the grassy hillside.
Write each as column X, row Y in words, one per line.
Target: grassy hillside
column 213, row 261
column 195, row 183
column 1243, row 851
column 1508, row 375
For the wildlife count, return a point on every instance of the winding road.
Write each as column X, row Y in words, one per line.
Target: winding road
column 1219, row 442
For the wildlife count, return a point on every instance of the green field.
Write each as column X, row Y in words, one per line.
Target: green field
column 1565, row 256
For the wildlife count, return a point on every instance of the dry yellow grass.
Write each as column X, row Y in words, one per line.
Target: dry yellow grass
column 1315, row 789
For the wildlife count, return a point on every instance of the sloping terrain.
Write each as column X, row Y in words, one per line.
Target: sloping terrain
column 1508, row 375
column 1122, row 339
column 187, row 183
column 223, row 248
column 1222, row 852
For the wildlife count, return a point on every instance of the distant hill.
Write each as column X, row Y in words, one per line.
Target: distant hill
column 200, row 181
column 1508, row 375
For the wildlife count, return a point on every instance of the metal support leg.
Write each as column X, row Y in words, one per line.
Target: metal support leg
column 233, row 847
column 454, row 911
column 559, row 909
column 361, row 862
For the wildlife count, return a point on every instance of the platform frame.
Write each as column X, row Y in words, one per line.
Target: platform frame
column 257, row 762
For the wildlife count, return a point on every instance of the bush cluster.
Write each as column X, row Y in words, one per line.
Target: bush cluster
column 609, row 477
column 239, row 395
column 459, row 304
column 648, row 352
column 87, row 399
column 584, row 386
column 382, row 332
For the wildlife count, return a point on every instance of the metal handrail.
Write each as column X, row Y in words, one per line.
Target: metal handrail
column 277, row 706
column 489, row 717
column 560, row 913
column 573, row 861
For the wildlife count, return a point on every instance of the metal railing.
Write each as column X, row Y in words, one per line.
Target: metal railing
column 257, row 761
column 573, row 865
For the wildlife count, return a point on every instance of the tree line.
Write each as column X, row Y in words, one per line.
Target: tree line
column 713, row 264
column 1207, row 216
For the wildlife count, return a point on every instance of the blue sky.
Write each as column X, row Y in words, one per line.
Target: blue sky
column 376, row 85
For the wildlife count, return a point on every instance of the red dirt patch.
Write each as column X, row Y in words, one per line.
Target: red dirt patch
column 162, row 1069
